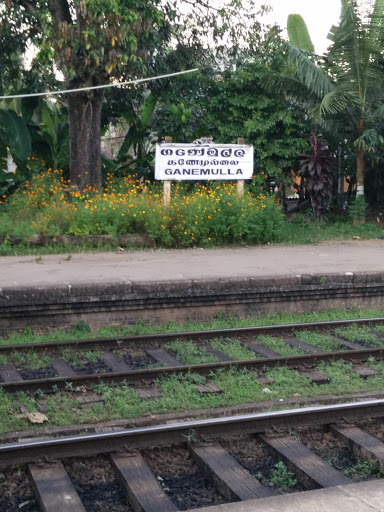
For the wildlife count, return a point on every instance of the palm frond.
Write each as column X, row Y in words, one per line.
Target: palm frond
column 309, row 73
column 376, row 21
column 355, row 53
column 290, row 87
column 337, row 101
column 369, row 140
column 378, row 114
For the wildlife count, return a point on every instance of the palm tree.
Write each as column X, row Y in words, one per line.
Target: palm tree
column 345, row 87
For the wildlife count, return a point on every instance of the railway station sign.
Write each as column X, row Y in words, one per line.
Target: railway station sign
column 203, row 161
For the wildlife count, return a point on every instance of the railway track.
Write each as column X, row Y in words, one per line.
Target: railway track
column 190, row 465
column 118, row 361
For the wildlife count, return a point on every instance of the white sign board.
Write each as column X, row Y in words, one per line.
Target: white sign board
column 203, row 162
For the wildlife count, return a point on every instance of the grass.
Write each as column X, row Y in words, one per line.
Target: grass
column 359, row 333
column 189, row 353
column 303, row 229
column 24, row 249
column 233, row 348
column 281, row 477
column 33, row 361
column 71, row 356
column 179, row 393
column 278, row 345
column 319, row 340
column 221, row 322
column 363, row 469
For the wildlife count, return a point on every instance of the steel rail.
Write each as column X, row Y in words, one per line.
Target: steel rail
column 148, row 375
column 178, row 433
column 121, row 341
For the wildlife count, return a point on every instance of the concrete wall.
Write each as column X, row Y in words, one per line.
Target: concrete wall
column 122, row 303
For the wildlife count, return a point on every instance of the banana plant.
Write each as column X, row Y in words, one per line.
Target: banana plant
column 298, row 33
column 348, row 91
column 15, row 142
column 135, row 151
column 51, row 139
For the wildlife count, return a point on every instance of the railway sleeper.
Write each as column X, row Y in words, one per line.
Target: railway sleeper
column 359, row 442
column 233, row 481
column 312, row 471
column 54, row 489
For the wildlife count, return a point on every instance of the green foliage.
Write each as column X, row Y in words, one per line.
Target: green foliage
column 240, row 105
column 357, row 209
column 204, row 215
column 176, row 121
column 281, row 477
column 219, row 323
column 80, row 328
column 136, row 152
column 298, row 33
column 278, row 345
column 15, row 141
column 51, row 142
column 189, row 353
column 233, row 348
column 92, row 42
column 14, row 134
column 359, row 333
column 366, row 469
column 322, row 341
column 305, row 229
column 344, row 92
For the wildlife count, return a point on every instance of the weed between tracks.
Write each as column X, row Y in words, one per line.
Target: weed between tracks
column 233, row 348
column 179, row 393
column 361, row 334
column 278, row 345
column 221, row 322
column 321, row 341
column 189, row 353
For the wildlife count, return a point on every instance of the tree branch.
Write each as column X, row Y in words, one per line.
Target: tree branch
column 60, row 11
column 29, row 6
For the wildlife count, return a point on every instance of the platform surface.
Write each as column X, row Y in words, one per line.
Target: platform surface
column 169, row 265
column 360, row 497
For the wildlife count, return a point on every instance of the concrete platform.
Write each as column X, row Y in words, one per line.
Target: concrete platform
column 172, row 265
column 360, row 497
column 176, row 285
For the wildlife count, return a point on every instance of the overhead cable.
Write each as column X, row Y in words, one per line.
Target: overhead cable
column 105, row 86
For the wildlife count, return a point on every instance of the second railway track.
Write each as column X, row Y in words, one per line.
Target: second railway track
column 116, row 364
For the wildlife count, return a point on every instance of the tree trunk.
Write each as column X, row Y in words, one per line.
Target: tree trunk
column 360, row 171
column 360, row 167
column 84, row 110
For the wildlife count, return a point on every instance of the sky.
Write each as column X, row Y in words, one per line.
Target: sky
column 319, row 17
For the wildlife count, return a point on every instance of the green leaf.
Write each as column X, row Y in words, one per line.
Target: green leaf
column 298, row 33
column 148, row 108
column 14, row 133
column 50, row 121
column 129, row 140
column 3, row 159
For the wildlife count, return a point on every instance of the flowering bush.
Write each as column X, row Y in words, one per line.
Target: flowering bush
column 203, row 215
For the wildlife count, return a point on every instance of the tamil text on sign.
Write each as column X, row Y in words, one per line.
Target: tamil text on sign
column 203, row 162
